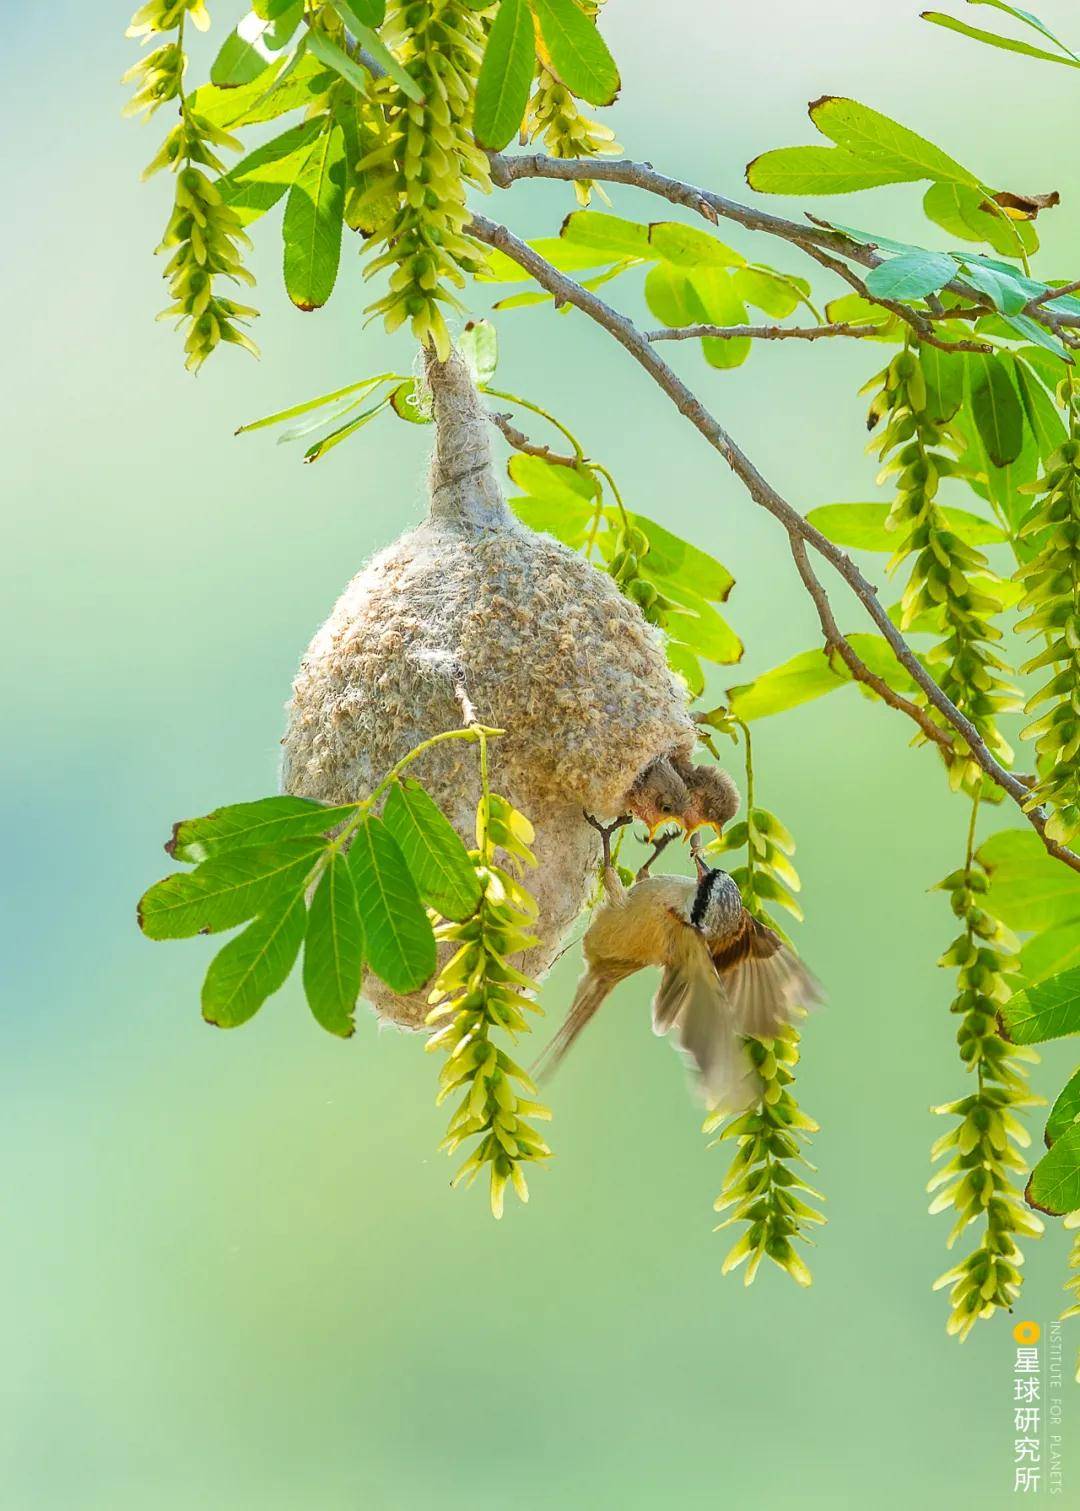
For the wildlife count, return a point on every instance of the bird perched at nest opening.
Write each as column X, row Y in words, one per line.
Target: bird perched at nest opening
column 672, row 789
column 726, row 975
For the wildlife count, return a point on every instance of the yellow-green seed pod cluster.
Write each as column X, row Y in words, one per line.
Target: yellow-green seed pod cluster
column 479, row 991
column 203, row 234
column 761, row 1188
column 979, row 1179
column 555, row 118
column 948, row 581
column 1052, row 601
column 768, row 876
column 426, row 159
column 631, row 546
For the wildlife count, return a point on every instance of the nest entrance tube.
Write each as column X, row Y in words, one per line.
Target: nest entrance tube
column 550, row 652
column 462, row 485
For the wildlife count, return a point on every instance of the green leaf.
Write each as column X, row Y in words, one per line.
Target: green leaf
column 687, row 247
column 1065, row 1111
column 862, row 526
column 400, row 945
column 226, row 890
column 568, row 523
column 263, row 822
column 818, row 170
column 1029, row 889
column 378, row 51
column 1051, row 952
column 685, row 664
column 346, row 68
column 362, row 12
column 876, row 138
column 284, row 87
column 696, row 624
column 1026, row 18
column 1048, row 1010
column 335, row 438
column 502, row 90
column 607, row 234
column 672, row 297
column 775, row 293
column 1054, row 1186
column 994, row 39
column 1043, row 415
column 334, row 950
column 242, row 58
column 434, row 853
column 1030, row 330
column 578, row 52
column 677, row 560
column 944, row 375
column 1005, row 291
column 911, row 276
column 715, row 288
column 796, row 681
column 557, row 485
column 258, row 181
column 255, row 964
column 312, row 227
column 479, row 345
column 996, row 408
column 966, row 212
column 322, row 402
column 404, row 403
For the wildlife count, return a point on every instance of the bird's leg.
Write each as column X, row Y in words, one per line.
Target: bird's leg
column 658, row 848
column 605, row 831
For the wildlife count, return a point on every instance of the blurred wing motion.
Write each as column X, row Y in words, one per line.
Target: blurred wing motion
column 765, row 982
column 691, row 999
column 592, row 989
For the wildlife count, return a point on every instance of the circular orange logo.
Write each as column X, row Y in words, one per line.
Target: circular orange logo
column 1027, row 1332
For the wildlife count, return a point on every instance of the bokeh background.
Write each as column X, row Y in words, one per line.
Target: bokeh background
column 233, row 1272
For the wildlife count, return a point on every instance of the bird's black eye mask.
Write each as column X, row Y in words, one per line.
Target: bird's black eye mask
column 709, row 879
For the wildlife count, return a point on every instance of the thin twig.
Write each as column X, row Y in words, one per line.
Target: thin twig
column 761, row 332
column 567, row 291
column 835, row 640
column 520, row 442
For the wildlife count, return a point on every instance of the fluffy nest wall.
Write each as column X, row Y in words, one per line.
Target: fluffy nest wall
column 550, row 650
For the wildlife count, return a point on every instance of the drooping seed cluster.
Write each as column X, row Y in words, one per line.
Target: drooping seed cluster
column 422, row 166
column 950, row 581
column 981, row 1152
column 1052, row 600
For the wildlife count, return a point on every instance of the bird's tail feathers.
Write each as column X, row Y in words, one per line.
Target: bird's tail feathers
column 591, row 992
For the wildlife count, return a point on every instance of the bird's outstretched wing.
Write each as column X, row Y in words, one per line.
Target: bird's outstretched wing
column 691, row 1000
column 765, row 982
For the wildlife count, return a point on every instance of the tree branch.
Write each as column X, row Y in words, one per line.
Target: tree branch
column 761, row 332
column 835, row 640
column 506, row 171
column 567, row 291
column 520, row 442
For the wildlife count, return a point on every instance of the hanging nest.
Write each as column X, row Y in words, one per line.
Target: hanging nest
column 544, row 645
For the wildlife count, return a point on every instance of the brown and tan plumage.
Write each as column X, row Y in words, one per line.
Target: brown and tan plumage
column 725, row 975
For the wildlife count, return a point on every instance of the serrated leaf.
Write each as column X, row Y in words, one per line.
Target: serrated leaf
column 1050, row 953
column 876, row 138
column 436, row 857
column 688, row 247
column 255, row 964
column 911, row 276
column 1048, row 1010
column 334, row 950
column 862, row 526
column 256, row 183
column 818, row 170
column 298, row 84
column 1006, row 292
column 578, row 52
column 226, row 890
column 377, row 49
column 811, row 675
column 609, row 235
column 1054, row 1186
column 506, row 73
column 400, row 945
column 996, row 408
column 263, row 822
column 312, row 225
column 1066, row 1109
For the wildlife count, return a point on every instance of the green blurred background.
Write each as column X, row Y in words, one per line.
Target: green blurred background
column 234, row 1272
